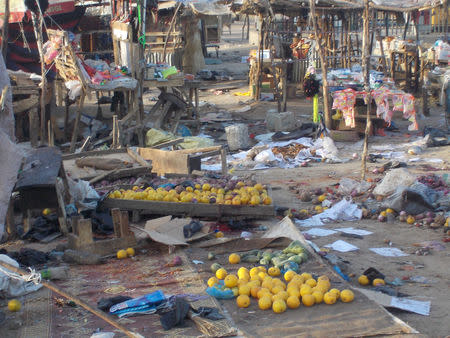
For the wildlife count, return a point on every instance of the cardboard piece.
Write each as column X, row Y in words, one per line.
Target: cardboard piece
column 406, row 304
column 169, row 231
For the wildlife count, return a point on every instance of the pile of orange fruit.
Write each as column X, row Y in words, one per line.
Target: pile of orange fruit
column 206, row 193
column 289, row 291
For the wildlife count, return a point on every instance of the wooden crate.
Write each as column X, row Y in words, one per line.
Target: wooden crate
column 216, row 211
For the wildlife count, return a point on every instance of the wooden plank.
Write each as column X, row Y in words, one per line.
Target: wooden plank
column 94, row 153
column 168, row 143
column 198, row 150
column 116, row 218
column 191, row 209
column 25, row 104
column 135, row 156
column 167, row 161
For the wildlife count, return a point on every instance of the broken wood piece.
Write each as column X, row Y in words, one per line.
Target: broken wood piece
column 102, row 176
column 135, row 156
column 101, row 163
column 168, row 143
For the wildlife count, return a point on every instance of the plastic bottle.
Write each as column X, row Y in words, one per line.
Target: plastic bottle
column 57, row 272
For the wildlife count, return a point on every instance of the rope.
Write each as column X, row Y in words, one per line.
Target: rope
column 33, row 276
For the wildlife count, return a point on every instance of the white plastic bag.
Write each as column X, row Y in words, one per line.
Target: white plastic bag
column 83, row 194
column 75, row 88
column 11, row 284
column 347, row 186
column 394, row 179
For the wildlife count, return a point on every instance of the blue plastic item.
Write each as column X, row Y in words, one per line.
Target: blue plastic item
column 145, row 304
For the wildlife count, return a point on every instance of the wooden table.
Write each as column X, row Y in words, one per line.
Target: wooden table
column 411, row 61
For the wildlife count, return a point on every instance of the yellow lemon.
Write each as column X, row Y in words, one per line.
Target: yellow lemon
column 261, row 275
column 297, row 279
column 288, row 275
column 206, row 187
column 347, row 296
column 235, row 291
column 254, row 291
column 243, row 301
column 318, row 296
column 378, row 281
column 130, row 252
column 243, row 271
column 219, row 234
column 308, row 300
column 363, row 280
column 14, row 305
column 254, row 271
column 279, row 282
column 305, row 290
column 293, row 302
column 276, row 289
column 121, row 254
column 255, row 200
column 279, row 306
column 311, row 282
column 336, row 292
column 321, row 198
column 293, row 292
column 329, row 298
column 263, row 291
column 47, row 211
column 234, row 258
column 274, row 271
column 262, row 269
column 283, row 295
column 212, row 281
column 323, row 277
column 230, row 281
column 268, row 284
column 221, row 273
column 258, row 186
column 265, row 303
column 324, row 285
column 306, row 276
column 244, row 290
column 267, row 200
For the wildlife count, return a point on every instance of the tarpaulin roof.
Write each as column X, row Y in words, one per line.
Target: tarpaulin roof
column 17, row 8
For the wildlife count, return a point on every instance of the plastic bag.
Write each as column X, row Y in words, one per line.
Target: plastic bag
column 156, row 136
column 218, row 291
column 347, row 186
column 14, row 287
column 83, row 194
column 74, row 87
column 394, row 179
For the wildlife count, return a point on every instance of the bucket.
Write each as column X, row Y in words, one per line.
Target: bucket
column 237, row 136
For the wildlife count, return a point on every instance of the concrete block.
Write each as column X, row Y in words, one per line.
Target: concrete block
column 284, row 121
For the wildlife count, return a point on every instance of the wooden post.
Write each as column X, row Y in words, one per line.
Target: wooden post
column 5, row 29
column 408, row 18
column 445, row 7
column 38, row 33
column 318, row 37
column 257, row 93
column 366, row 66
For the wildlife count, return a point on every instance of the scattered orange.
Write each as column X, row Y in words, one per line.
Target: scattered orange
column 288, row 275
column 363, row 280
column 221, row 273
column 318, row 296
column 293, row 302
column 265, row 303
column 121, row 254
column 212, row 281
column 329, row 298
column 234, row 258
column 279, row 306
column 378, row 281
column 230, row 281
column 274, row 271
column 243, row 301
column 308, row 300
column 347, row 296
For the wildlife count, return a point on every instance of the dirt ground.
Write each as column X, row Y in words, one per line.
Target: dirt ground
column 434, row 267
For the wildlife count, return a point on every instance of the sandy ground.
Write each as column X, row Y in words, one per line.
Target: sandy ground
column 434, row 267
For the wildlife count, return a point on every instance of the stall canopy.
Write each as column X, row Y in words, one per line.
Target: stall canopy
column 293, row 7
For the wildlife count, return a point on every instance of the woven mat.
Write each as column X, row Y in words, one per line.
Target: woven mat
column 42, row 317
